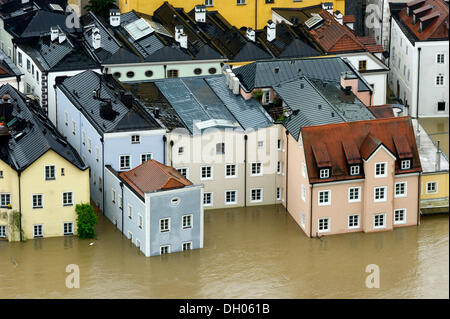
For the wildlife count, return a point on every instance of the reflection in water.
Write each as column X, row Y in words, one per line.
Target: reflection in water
column 258, row 252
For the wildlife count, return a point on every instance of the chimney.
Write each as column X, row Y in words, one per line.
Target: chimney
column 418, row 135
column 6, row 108
column 200, row 13
column 251, row 34
column 178, row 32
column 339, row 17
column 349, row 83
column 228, row 73
column 438, row 156
column 328, row 6
column 114, row 17
column 61, row 36
column 54, row 33
column 236, row 86
column 25, row 1
column 127, row 99
column 96, row 38
column 271, row 31
column 230, row 82
column 183, row 41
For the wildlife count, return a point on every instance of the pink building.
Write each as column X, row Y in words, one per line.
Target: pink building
column 353, row 176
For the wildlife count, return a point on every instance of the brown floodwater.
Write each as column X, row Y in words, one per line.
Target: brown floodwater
column 257, row 252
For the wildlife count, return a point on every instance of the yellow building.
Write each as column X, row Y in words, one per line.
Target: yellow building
column 247, row 13
column 42, row 177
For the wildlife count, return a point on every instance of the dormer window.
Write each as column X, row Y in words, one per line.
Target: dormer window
column 405, row 164
column 354, row 170
column 324, row 173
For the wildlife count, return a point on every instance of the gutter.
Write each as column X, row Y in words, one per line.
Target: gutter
column 20, row 208
column 418, row 199
column 102, row 140
column 311, row 211
column 245, row 170
column 171, row 152
column 418, row 82
column 121, row 204
column 164, row 149
column 287, row 167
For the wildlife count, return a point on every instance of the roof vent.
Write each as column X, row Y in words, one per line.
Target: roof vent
column 251, row 35
column 54, row 33
column 276, row 70
column 114, row 17
column 96, row 39
column 271, row 31
column 200, row 13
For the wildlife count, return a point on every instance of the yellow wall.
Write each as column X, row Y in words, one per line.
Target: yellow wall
column 238, row 15
column 53, row 214
column 442, row 186
column 8, row 185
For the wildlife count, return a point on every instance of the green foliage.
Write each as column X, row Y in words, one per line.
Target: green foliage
column 258, row 94
column 86, row 221
column 15, row 229
column 100, row 7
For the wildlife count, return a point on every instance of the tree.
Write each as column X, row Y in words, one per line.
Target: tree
column 86, row 221
column 101, row 7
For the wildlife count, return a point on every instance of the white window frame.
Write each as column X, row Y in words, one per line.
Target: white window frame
column 3, row 231
column 384, row 221
column 45, row 172
column 279, row 168
column 235, row 171
column 436, row 187
column 4, row 195
column 140, row 221
column 324, row 173
column 42, row 231
column 440, row 80
column 130, row 212
column 358, row 188
column 63, row 199
column 385, row 169
column 164, row 246
column 71, row 228
column 375, row 200
column 438, row 58
column 211, row 171
column 303, row 190
column 260, row 144
column 404, row 216
column 186, row 169
column 404, row 162
column 42, row 201
column 329, row 198
column 328, row 229
column 260, row 169
column 188, row 243
column 212, row 199
column 113, row 195
column 241, row 2
column 146, row 155
column 135, row 139
column 358, row 219
column 168, row 225
column 261, row 191
column 120, row 162
column 303, row 220
column 191, row 216
column 209, row 3
column 235, row 197
column 354, row 170
column 405, row 193
column 303, row 169
column 279, row 193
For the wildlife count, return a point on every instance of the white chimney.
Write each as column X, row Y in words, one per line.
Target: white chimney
column 251, row 34
column 114, row 17
column 183, row 40
column 230, row 83
column 54, row 32
column 328, row 6
column 227, row 75
column 236, row 86
column 25, row 1
column 338, row 16
column 178, row 32
column 271, row 31
column 96, row 39
column 200, row 13
column 61, row 36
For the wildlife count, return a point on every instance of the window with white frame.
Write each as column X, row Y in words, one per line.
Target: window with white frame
column 2, row 231
column 89, row 145
column 66, row 118
column 140, row 221
column 220, row 148
column 279, row 167
column 324, row 225
column 68, row 199
column 432, row 187
column 38, row 231
column 440, row 80
column 260, row 144
column 303, row 220
column 135, row 139
column 230, row 197
column 50, row 172
column 303, row 169
column 380, row 170
column 180, row 150
column 146, row 157
column 19, row 58
column 256, row 195
column 125, row 162
column 68, row 229
column 164, row 249
column 183, row 171
column 209, row 3
column 324, row 173
column 74, row 127
column 83, row 137
column 279, row 144
column 400, row 189
column 113, row 195
column 278, row 193
column 130, row 212
column 164, row 225
column 256, row 169
column 1, row 174
column 379, row 194
column 240, row 2
column 324, row 198
column 207, row 199
column 5, row 200
column 230, row 170
column 120, row 202
column 138, row 243
column 440, row 59
column 353, row 221
column 354, row 194
column 206, row 172
column 97, row 154
column 354, row 170
column 38, row 201
column 187, row 221
column 303, row 193
column 187, row 245
column 379, row 221
column 130, row 236
column 405, row 164
column 400, row 216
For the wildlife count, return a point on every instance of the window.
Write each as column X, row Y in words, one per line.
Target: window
column 197, row 71
column 256, row 169
column 164, row 249
column 172, row 73
column 362, row 65
column 180, row 150
column 324, row 173
column 303, row 220
column 5, row 200
column 130, row 212
column 37, row 76
column 146, row 157
column 140, row 221
column 324, row 198
column 400, row 216
column 379, row 221
column 431, row 187
column 74, row 127
column 68, row 229
column 50, row 173
column 38, row 201
column 440, row 58
column 220, row 148
column 183, row 171
column 230, row 197
column 67, row 199
column 405, row 164
column 260, row 144
column 212, row 70
column 175, row 201
column 2, row 231
column 19, row 58
column 230, row 170
column 304, row 193
column 303, row 169
column 38, row 231
column 240, row 2
column 278, row 193
column 354, row 170
column 187, row 221
column 28, row 65
column 279, row 144
column 440, row 80
column 130, row 74
column 117, row 75
column 135, row 139
column 256, row 195
column 380, row 170
column 187, row 245
column 380, row 194
column 89, row 145
column 441, row 107
column 266, row 97
column 130, row 236
column 206, row 172
column 164, row 225
column 207, row 199
column 97, row 154
column 100, row 184
column 324, row 225
column 353, row 221
column 120, row 202
column 354, row 194
column 1, row 174
column 113, row 195
column 279, row 167
column 32, row 70
column 149, row 73
column 400, row 189
column 83, row 137
column 124, row 162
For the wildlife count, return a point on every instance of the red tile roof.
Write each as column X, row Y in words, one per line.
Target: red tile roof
column 349, row 19
column 351, row 142
column 382, row 111
column 153, row 176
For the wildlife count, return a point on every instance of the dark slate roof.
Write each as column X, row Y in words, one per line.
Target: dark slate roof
column 38, row 135
column 269, row 73
column 79, row 90
column 7, row 67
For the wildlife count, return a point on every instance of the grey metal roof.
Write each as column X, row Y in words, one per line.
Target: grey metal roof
column 7, row 64
column 108, row 42
column 38, row 135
